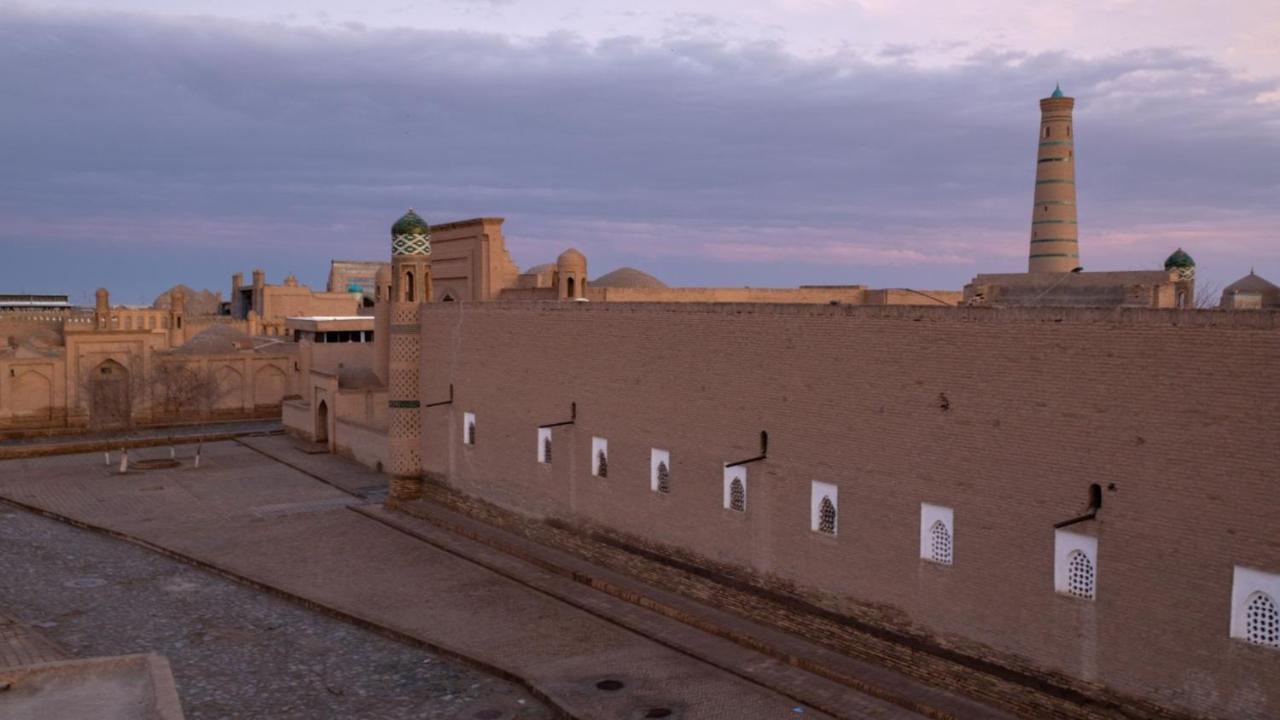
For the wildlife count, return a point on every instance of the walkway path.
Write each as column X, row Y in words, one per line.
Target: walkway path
column 274, row 525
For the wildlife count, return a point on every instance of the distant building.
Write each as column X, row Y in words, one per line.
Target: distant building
column 268, row 306
column 354, row 276
column 1251, row 292
column 115, row 366
column 23, row 302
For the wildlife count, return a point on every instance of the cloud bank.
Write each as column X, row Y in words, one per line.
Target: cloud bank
column 139, row 152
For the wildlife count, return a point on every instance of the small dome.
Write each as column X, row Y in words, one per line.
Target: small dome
column 411, row 224
column 357, row 379
column 571, row 258
column 628, row 277
column 383, row 275
column 539, row 269
column 216, row 340
column 1251, row 283
column 1057, row 91
column 1179, row 259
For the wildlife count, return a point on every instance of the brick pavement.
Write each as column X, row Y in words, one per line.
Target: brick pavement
column 354, row 565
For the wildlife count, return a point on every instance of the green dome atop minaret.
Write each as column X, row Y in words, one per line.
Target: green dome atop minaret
column 1178, row 260
column 410, row 224
column 1057, row 91
column 411, row 235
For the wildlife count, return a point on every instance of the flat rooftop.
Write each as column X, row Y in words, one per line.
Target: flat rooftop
column 322, row 323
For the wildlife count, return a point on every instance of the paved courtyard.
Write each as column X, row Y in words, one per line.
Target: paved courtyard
column 235, row 652
column 287, row 526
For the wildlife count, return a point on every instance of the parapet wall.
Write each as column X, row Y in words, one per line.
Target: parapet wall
column 805, row 295
column 1004, row 416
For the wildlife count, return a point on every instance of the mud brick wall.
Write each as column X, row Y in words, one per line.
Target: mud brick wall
column 1006, row 416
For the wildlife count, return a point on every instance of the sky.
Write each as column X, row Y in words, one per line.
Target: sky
column 755, row 142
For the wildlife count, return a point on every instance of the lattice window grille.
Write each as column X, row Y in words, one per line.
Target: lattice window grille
column 546, row 450
column 1080, row 575
column 664, row 478
column 940, row 543
column 1262, row 621
column 737, row 496
column 602, row 464
column 827, row 516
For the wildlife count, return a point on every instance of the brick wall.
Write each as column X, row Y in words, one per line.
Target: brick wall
column 1177, row 410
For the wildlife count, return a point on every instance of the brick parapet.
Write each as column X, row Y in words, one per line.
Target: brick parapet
column 1121, row 316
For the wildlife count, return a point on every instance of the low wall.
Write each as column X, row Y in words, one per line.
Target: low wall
column 365, row 444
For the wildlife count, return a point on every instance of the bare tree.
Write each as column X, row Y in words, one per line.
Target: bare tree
column 187, row 389
column 1207, row 296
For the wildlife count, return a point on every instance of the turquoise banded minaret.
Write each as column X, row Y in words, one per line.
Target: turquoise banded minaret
column 1055, row 240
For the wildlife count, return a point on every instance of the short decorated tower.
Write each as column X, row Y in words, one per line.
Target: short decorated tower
column 1185, row 287
column 410, row 288
column 177, row 309
column 101, row 310
column 571, row 275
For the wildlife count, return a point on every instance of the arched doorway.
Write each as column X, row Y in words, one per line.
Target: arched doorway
column 322, row 422
column 110, row 402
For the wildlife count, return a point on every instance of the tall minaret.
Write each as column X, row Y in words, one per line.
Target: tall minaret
column 1054, row 235
column 410, row 288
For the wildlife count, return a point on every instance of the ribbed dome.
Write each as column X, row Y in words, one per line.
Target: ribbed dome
column 628, row 277
column 1179, row 259
column 410, row 224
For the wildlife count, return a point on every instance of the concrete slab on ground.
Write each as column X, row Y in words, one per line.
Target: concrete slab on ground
column 22, row 645
column 129, row 687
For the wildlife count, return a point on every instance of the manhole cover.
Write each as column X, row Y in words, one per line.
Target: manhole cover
column 156, row 464
column 85, row 583
column 656, row 712
column 610, row 685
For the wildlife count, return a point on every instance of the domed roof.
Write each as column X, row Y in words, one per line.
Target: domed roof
column 628, row 277
column 410, row 224
column 1179, row 259
column 1251, row 283
column 357, row 379
column 216, row 340
column 543, row 268
column 1057, row 91
column 571, row 257
column 383, row 275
